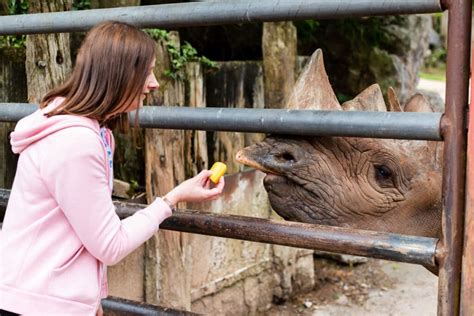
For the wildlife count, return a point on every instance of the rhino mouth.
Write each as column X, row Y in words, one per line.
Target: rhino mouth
column 243, row 159
column 272, row 181
column 278, row 188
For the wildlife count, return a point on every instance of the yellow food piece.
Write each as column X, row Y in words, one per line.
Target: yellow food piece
column 218, row 169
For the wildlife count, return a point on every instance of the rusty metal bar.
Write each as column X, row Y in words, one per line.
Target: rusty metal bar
column 211, row 13
column 395, row 247
column 467, row 272
column 454, row 134
column 411, row 249
column 116, row 306
column 409, row 125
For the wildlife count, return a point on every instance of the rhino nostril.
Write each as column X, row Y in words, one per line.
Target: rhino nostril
column 286, row 157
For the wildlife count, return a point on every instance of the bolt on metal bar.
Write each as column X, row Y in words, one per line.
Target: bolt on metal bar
column 117, row 306
column 455, row 135
column 395, row 247
column 407, row 125
column 211, row 13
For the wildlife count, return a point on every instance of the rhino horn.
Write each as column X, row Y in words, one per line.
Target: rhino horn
column 418, row 103
column 313, row 91
column 393, row 103
column 371, row 99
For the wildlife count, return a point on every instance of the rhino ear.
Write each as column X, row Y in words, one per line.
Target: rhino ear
column 312, row 90
column 393, row 103
column 371, row 99
column 418, row 103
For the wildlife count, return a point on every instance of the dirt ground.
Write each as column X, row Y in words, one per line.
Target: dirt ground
column 377, row 287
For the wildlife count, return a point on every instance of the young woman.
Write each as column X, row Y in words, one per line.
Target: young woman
column 60, row 229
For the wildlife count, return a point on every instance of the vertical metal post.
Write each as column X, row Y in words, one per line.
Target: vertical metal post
column 467, row 283
column 454, row 132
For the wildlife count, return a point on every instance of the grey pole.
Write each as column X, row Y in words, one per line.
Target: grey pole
column 211, row 13
column 400, row 125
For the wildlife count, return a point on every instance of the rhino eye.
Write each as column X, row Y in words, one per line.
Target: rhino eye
column 384, row 175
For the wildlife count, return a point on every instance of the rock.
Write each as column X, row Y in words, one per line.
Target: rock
column 308, row 304
column 434, row 99
column 121, row 189
column 342, row 300
column 360, row 52
column 346, row 259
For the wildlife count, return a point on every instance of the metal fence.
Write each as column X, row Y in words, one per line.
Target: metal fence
column 446, row 253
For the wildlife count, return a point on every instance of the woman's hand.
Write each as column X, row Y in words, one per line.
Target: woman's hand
column 196, row 189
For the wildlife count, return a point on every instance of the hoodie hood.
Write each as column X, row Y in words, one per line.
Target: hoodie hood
column 37, row 126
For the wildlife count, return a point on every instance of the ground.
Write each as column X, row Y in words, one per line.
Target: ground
column 374, row 288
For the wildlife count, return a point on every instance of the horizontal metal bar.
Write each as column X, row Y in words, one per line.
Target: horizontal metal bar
column 116, row 306
column 211, row 13
column 408, row 125
column 411, row 249
column 13, row 112
column 395, row 247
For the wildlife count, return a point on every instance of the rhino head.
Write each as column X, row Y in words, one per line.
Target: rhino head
column 372, row 184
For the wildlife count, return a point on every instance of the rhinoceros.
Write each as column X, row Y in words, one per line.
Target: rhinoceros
column 371, row 184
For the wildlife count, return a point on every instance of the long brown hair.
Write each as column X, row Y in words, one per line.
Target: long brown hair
column 111, row 68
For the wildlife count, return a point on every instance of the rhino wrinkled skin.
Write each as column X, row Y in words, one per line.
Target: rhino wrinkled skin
column 372, row 184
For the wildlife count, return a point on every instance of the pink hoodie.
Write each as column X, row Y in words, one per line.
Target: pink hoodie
column 60, row 228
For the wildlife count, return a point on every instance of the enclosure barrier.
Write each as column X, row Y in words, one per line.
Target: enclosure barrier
column 451, row 301
column 409, row 125
column 395, row 247
column 116, row 306
column 211, row 13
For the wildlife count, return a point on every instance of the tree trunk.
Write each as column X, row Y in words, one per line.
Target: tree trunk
column 235, row 85
column 114, row 3
column 166, row 279
column 279, row 62
column 48, row 56
column 195, row 141
column 12, row 89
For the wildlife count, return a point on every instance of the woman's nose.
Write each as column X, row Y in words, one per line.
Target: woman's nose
column 153, row 83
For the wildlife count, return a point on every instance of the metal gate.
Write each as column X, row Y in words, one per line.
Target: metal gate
column 453, row 253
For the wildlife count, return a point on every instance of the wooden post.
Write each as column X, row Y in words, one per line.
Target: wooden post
column 280, row 66
column 48, row 56
column 236, row 85
column 167, row 281
column 13, row 89
column 279, row 62
column 114, row 3
column 195, row 142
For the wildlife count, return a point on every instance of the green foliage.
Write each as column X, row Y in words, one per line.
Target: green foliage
column 81, row 4
column 179, row 56
column 17, row 6
column 306, row 28
column 436, row 59
column 158, row 34
column 437, row 76
column 15, row 41
column 12, row 41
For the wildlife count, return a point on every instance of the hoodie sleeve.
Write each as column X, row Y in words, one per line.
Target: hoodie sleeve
column 75, row 174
